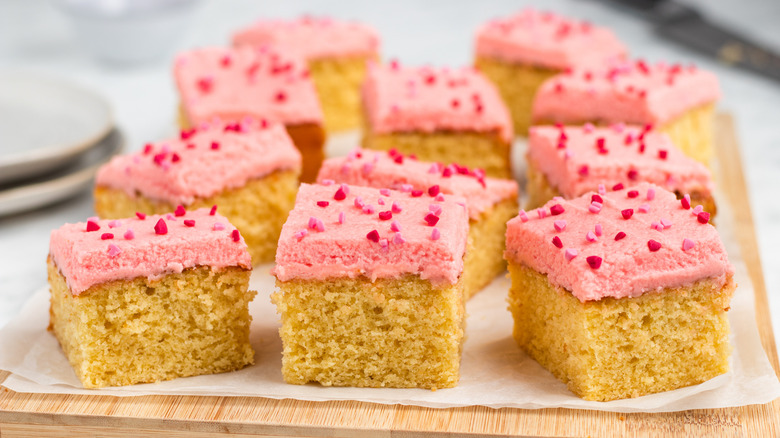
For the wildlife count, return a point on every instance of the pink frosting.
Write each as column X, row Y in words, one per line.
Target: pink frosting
column 339, row 230
column 396, row 171
column 130, row 248
column 628, row 267
column 233, row 83
column 547, row 40
column 202, row 162
column 312, row 38
column 573, row 162
column 629, row 92
column 400, row 99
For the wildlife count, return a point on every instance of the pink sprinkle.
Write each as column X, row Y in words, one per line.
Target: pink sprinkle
column 373, row 236
column 380, row 201
column 644, row 208
column 312, row 222
column 688, row 244
column 599, row 230
column 703, row 217
column 384, row 192
column 300, row 234
column 588, row 128
column 591, row 237
column 213, row 210
column 113, row 250
column 557, row 242
column 129, row 234
column 385, row 215
column 417, row 193
column 435, row 209
column 322, row 203
column 106, row 236
column 114, row 224
column 559, row 225
column 398, row 239
column 650, row 194
column 542, row 213
column 367, row 168
column 439, row 197
column 218, row 226
column 618, row 186
column 698, row 209
column 666, row 223
column 435, row 234
column 686, row 201
column 406, row 188
column 433, row 190
column 434, row 168
column 359, row 202
column 523, row 216
column 602, row 189
column 632, row 193
column 653, row 245
column 170, row 217
column 618, row 127
column 342, row 217
column 140, row 215
column 595, row 207
column 556, row 209
column 619, row 236
column 161, row 227
column 369, row 209
column 594, row 261
column 657, row 226
column 431, row 219
column 627, row 213
column 327, row 182
column 570, row 254
column 92, row 225
column 396, row 208
column 395, row 226
column 180, row 211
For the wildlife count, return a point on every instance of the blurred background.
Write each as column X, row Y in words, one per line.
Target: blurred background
column 125, row 55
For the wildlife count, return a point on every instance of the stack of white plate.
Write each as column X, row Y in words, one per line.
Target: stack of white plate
column 53, row 137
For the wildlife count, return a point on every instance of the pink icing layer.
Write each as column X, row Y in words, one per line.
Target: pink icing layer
column 626, row 92
column 628, row 266
column 547, row 40
column 88, row 258
column 233, row 83
column 395, row 171
column 574, row 163
column 202, row 162
column 399, row 99
column 355, row 235
column 312, row 38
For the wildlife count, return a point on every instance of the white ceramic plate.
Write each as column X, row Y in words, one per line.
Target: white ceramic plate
column 61, row 184
column 46, row 123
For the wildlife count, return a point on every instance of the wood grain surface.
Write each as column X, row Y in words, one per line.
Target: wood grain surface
column 48, row 415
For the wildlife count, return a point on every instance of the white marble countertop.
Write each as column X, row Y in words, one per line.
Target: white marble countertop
column 35, row 36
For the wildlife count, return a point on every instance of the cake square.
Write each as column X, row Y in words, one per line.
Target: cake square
column 262, row 83
column 150, row 298
column 369, row 287
column 491, row 202
column 336, row 52
column 569, row 161
column 519, row 52
column 450, row 116
column 249, row 169
column 676, row 100
column 614, row 307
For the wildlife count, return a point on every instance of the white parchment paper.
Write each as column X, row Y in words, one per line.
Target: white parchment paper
column 494, row 371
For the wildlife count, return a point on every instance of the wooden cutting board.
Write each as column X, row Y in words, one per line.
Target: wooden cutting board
column 45, row 415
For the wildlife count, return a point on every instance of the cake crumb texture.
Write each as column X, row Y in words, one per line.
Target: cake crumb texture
column 484, row 254
column 395, row 332
column 139, row 331
column 338, row 81
column 622, row 348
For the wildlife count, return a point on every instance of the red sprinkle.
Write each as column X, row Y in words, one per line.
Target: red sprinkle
column 340, row 195
column 189, row 222
column 633, row 174
column 432, row 190
column 373, row 236
column 557, row 242
column 225, row 61
column 385, row 215
column 653, row 245
column 205, row 84
column 175, row 157
column 596, row 198
column 399, row 159
column 556, row 209
column 620, row 235
column 323, row 203
column 214, row 145
column 447, row 172
column 235, row 235
column 280, row 96
column 431, row 219
column 161, row 227
column 140, row 215
column 180, row 211
column 148, row 148
column 686, row 203
column 662, row 153
column 213, row 210
column 455, row 103
column 583, row 170
column 186, row 133
column 703, row 217
column 618, row 186
column 417, row 193
column 627, row 213
column 92, row 226
column 106, row 236
column 633, row 193
column 594, row 261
